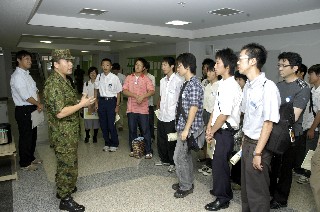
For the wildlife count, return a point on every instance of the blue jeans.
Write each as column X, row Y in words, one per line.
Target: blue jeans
column 143, row 120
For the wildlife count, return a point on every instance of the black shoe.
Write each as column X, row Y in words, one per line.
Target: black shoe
column 181, row 194
column 216, row 205
column 86, row 140
column 277, row 205
column 211, row 192
column 95, row 139
column 120, row 128
column 73, row 191
column 176, row 186
column 68, row 204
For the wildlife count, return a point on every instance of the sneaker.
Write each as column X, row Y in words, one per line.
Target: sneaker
column 296, row 174
column 166, row 164
column 207, row 172
column 303, row 180
column 31, row 167
column 37, row 161
column 106, row 148
column 203, row 169
column 148, row 156
column 131, row 154
column 113, row 149
column 159, row 163
column 171, row 168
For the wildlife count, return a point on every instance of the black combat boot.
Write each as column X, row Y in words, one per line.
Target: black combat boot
column 86, row 140
column 68, row 204
column 95, row 135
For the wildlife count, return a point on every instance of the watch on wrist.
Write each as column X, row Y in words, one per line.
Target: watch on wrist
column 256, row 153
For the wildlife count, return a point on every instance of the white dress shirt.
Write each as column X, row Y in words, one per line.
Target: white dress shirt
column 22, row 87
column 153, row 80
column 261, row 102
column 228, row 101
column 308, row 116
column 210, row 93
column 108, row 85
column 169, row 93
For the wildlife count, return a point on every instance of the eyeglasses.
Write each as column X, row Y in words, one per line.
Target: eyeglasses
column 243, row 57
column 283, row 65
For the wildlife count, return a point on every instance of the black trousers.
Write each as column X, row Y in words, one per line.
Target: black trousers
column 281, row 171
column 166, row 148
column 27, row 135
column 220, row 166
column 151, row 121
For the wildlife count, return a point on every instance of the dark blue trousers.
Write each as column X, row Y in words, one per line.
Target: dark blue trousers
column 220, row 166
column 143, row 120
column 107, row 115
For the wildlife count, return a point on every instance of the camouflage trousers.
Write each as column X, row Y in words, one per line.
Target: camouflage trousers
column 67, row 172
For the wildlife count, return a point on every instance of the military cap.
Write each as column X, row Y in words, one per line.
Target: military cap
column 58, row 54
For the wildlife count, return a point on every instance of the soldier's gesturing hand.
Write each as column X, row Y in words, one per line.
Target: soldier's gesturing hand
column 85, row 101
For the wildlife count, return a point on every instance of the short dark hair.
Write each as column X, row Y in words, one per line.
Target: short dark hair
column 238, row 75
column 106, row 59
column 229, row 58
column 315, row 68
column 255, row 50
column 293, row 58
column 303, row 69
column 141, row 59
column 188, row 60
column 147, row 66
column 170, row 60
column 207, row 61
column 21, row 54
column 211, row 65
column 91, row 69
column 115, row 66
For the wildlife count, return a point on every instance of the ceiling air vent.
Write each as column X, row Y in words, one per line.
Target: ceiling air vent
column 88, row 11
column 225, row 12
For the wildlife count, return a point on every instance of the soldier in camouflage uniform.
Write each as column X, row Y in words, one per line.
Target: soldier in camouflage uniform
column 63, row 120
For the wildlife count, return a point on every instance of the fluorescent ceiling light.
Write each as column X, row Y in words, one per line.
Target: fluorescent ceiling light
column 45, row 41
column 84, row 51
column 178, row 23
column 104, row 41
column 225, row 12
column 89, row 11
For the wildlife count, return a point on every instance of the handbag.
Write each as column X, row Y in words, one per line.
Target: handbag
column 138, row 146
column 282, row 134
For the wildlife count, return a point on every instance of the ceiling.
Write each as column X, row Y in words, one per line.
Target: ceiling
column 134, row 23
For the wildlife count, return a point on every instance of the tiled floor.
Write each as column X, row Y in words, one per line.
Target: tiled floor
column 115, row 182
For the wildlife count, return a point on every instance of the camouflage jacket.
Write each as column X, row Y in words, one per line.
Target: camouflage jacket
column 58, row 93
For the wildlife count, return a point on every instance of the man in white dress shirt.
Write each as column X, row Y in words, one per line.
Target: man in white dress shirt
column 169, row 92
column 25, row 95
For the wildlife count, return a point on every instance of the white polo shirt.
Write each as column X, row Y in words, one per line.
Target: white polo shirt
column 210, row 93
column 153, row 80
column 261, row 102
column 308, row 116
column 169, row 93
column 228, row 101
column 108, row 85
column 22, row 87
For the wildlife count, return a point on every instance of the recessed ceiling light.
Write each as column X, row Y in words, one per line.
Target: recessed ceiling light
column 225, row 12
column 45, row 41
column 182, row 3
column 89, row 11
column 84, row 51
column 104, row 41
column 178, row 23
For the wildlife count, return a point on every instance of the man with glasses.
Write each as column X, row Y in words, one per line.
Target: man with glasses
column 292, row 89
column 260, row 105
